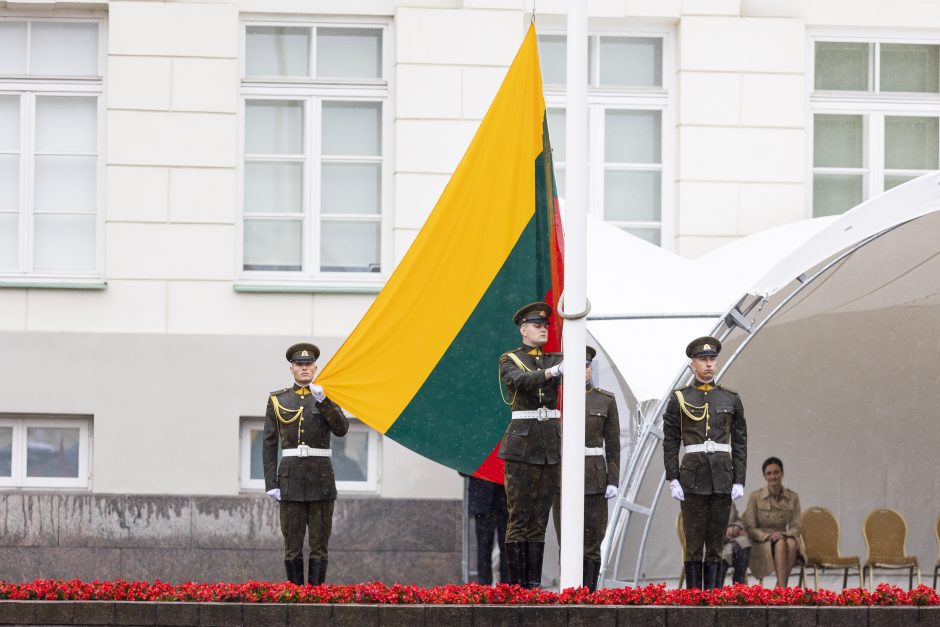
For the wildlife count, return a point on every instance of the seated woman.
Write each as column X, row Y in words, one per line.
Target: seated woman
column 772, row 519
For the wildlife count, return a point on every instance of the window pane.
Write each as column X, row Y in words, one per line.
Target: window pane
column 631, row 61
column 256, row 466
column 66, row 124
column 838, row 141
column 349, row 246
column 351, row 456
column 52, row 452
column 277, row 51
column 352, row 128
column 274, row 127
column 9, row 250
column 835, row 193
column 274, row 187
column 64, row 242
column 842, row 66
column 6, row 449
column 632, row 136
column 349, row 53
column 651, row 235
column 351, row 188
column 912, row 143
column 632, row 196
column 893, row 181
column 9, row 122
column 553, row 59
column 910, row 67
column 556, row 132
column 63, row 48
column 273, row 244
column 65, row 183
column 12, row 47
column 9, row 182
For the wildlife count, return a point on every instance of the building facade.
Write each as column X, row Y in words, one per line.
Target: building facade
column 188, row 187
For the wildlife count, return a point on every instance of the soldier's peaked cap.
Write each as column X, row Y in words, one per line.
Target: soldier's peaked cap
column 591, row 352
column 703, row 346
column 303, row 352
column 533, row 312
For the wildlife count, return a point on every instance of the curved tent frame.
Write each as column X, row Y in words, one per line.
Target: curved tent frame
column 630, row 524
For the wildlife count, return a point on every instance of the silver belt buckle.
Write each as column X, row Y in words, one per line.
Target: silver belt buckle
column 709, row 446
column 303, row 450
column 541, row 414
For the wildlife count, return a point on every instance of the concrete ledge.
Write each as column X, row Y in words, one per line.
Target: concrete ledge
column 132, row 614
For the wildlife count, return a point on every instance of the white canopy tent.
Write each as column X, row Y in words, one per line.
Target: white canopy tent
column 833, row 352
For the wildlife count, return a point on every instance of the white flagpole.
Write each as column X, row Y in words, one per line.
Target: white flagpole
column 576, row 204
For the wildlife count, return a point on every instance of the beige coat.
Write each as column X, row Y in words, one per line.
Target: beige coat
column 763, row 516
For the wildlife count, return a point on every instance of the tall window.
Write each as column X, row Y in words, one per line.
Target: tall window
column 39, row 450
column 355, row 457
column 50, row 183
column 627, row 99
column 315, row 172
column 876, row 107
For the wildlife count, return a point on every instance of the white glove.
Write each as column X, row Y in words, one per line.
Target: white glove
column 610, row 492
column 676, row 490
column 737, row 491
column 274, row 494
column 317, row 392
column 557, row 370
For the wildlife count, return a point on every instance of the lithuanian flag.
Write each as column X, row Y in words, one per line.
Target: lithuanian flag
column 421, row 365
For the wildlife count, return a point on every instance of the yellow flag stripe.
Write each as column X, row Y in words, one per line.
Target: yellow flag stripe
column 470, row 232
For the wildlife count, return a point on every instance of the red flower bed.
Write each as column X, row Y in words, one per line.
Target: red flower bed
column 468, row 594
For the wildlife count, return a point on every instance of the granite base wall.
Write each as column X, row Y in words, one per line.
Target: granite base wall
column 127, row 614
column 208, row 539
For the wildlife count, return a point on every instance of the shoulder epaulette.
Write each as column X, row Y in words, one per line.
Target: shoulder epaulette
column 606, row 393
column 281, row 391
column 727, row 389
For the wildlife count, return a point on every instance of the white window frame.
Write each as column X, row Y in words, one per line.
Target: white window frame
column 20, row 423
column 313, row 92
column 635, row 99
column 373, row 459
column 872, row 105
column 28, row 88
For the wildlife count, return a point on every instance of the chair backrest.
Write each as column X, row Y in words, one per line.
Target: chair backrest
column 936, row 530
column 820, row 534
column 885, row 533
column 680, row 531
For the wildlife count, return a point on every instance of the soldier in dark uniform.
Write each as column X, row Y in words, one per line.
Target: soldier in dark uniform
column 708, row 420
column 601, row 471
column 531, row 446
column 301, row 419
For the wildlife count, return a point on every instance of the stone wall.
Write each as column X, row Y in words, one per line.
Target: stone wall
column 208, row 539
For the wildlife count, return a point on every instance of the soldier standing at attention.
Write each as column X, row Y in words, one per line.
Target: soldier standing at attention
column 531, row 446
column 709, row 421
column 301, row 419
column 601, row 471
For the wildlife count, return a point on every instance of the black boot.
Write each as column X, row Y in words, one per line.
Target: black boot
column 533, row 564
column 740, row 566
column 295, row 571
column 711, row 576
column 723, row 571
column 515, row 563
column 693, row 575
column 591, row 570
column 316, row 572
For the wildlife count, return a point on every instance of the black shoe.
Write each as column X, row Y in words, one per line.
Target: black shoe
column 740, row 566
column 533, row 564
column 712, row 569
column 515, row 563
column 295, row 571
column 316, row 572
column 723, row 571
column 591, row 570
column 693, row 575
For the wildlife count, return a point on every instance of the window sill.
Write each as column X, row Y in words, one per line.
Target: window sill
column 53, row 283
column 308, row 288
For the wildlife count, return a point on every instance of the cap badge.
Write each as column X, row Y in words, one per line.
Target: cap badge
column 707, row 347
column 305, row 354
